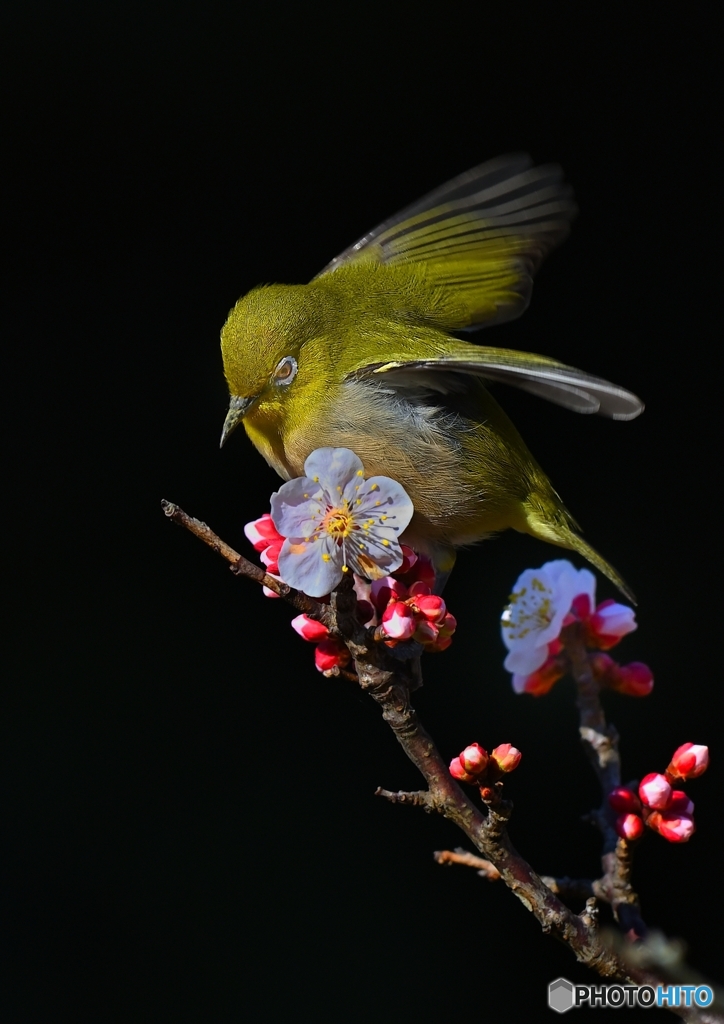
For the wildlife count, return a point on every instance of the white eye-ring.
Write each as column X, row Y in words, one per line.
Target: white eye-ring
column 286, row 370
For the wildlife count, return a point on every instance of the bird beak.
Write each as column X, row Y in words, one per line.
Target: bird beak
column 237, row 408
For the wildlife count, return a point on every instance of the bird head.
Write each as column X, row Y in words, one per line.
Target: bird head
column 261, row 343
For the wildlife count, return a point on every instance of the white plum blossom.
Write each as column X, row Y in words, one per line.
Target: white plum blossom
column 336, row 521
column 540, row 601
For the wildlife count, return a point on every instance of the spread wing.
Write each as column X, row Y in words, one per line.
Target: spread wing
column 480, row 237
column 547, row 378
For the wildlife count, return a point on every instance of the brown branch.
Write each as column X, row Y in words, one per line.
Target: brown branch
column 241, row 566
column 600, row 741
column 389, row 680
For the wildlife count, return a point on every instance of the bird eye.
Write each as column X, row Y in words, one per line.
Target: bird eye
column 286, row 370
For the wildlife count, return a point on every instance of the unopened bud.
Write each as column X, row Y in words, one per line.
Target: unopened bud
column 262, row 532
column 310, row 629
column 506, row 756
column 448, row 625
column 634, row 679
column 543, row 679
column 330, row 655
column 680, row 803
column 609, row 623
column 458, row 772
column 474, row 759
column 655, row 791
column 270, row 556
column 398, row 622
column 432, row 607
column 689, row 761
column 624, row 801
column 677, row 828
column 425, row 632
column 630, row 826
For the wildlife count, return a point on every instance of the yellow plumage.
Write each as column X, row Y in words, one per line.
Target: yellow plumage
column 363, row 357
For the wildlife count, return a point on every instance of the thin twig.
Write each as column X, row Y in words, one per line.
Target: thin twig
column 485, row 868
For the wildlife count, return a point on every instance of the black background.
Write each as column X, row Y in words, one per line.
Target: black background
column 188, row 824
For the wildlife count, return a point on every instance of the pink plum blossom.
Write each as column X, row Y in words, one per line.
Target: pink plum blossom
column 334, row 521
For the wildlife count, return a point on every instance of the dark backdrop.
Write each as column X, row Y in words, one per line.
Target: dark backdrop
column 189, row 827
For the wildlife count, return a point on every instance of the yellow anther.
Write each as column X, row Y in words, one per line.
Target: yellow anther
column 360, row 472
column 326, row 557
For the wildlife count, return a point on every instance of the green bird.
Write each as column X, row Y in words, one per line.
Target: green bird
column 365, row 357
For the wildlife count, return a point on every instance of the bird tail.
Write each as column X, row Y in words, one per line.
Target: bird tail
column 560, row 532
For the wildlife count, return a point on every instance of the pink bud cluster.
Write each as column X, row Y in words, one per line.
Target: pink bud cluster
column 402, row 605
column 267, row 540
column 330, row 654
column 657, row 804
column 407, row 607
column 635, row 679
column 475, row 766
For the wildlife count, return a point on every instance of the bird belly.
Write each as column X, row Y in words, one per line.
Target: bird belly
column 442, row 460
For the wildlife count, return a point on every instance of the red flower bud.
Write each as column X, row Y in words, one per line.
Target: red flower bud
column 624, row 801
column 655, row 791
column 310, row 629
column 425, row 632
column 474, row 759
column 506, row 756
column 543, row 679
column 398, row 622
column 680, row 803
column 689, row 761
column 262, row 532
column 448, row 625
column 385, row 590
column 677, row 828
column 634, row 679
column 419, row 589
column 458, row 772
column 330, row 655
column 630, row 826
column 431, row 606
column 270, row 556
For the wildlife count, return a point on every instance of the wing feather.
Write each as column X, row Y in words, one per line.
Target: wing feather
column 564, row 385
column 480, row 237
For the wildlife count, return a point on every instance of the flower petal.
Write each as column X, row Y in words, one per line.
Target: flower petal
column 333, row 468
column 297, row 507
column 302, row 565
